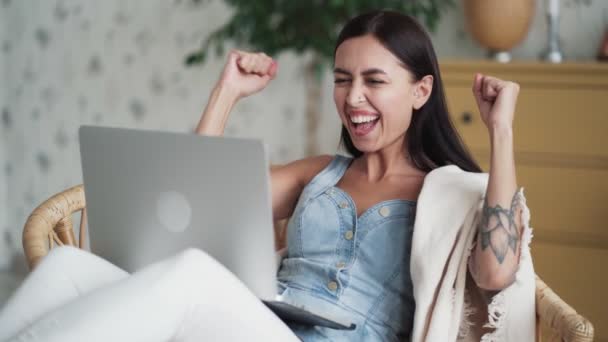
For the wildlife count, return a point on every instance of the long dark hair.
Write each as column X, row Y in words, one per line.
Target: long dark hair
column 432, row 139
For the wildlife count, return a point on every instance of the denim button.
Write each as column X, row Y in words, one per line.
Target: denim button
column 349, row 235
column 343, row 205
column 385, row 211
column 340, row 264
column 332, row 285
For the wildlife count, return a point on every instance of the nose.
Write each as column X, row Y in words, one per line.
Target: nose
column 356, row 95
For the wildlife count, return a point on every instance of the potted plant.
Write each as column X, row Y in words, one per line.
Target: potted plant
column 304, row 27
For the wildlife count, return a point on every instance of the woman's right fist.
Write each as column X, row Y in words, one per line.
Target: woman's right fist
column 247, row 73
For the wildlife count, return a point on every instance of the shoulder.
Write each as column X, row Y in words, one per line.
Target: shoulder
column 304, row 169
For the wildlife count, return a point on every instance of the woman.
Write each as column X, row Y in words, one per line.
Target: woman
column 352, row 219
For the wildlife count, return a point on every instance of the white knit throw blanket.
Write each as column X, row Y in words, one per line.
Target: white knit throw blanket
column 444, row 232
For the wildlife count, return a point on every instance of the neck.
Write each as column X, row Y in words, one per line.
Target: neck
column 390, row 161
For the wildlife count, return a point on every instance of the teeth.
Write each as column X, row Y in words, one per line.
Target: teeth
column 360, row 119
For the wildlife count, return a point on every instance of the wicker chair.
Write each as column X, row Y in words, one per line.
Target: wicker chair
column 51, row 224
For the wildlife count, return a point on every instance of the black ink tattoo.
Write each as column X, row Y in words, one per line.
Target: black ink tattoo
column 498, row 228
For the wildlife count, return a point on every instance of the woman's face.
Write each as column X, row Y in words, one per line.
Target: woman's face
column 373, row 92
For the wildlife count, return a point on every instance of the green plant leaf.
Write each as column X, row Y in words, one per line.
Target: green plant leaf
column 301, row 26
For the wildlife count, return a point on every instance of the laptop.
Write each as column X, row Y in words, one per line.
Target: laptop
column 163, row 192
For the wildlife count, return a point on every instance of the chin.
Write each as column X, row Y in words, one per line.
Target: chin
column 365, row 148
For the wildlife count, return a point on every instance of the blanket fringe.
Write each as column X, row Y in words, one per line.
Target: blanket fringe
column 527, row 235
column 466, row 321
column 497, row 314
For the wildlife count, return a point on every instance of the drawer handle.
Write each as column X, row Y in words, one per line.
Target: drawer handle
column 467, row 118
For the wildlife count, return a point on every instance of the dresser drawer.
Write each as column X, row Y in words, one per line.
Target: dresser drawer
column 547, row 120
column 562, row 109
column 565, row 200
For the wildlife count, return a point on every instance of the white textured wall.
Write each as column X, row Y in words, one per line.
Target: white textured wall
column 115, row 63
column 4, row 234
column 4, row 251
column 119, row 62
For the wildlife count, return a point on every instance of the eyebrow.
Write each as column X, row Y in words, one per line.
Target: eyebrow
column 366, row 72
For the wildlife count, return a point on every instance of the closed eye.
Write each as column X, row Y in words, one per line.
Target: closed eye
column 341, row 80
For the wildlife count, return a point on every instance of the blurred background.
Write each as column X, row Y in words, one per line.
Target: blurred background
column 65, row 63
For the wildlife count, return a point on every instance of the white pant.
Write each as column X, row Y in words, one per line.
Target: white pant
column 74, row 295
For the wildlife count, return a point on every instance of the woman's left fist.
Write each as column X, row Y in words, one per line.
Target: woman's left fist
column 496, row 100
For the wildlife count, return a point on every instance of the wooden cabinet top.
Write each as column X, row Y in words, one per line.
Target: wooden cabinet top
column 579, row 74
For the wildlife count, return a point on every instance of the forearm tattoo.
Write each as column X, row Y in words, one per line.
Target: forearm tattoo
column 498, row 228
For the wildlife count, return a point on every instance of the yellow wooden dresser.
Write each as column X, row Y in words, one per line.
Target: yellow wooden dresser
column 561, row 151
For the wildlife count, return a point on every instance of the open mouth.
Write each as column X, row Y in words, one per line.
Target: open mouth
column 362, row 125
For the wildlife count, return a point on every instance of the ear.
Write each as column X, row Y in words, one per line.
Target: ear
column 422, row 91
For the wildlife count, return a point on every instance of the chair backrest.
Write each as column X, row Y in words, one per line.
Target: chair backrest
column 51, row 224
column 558, row 320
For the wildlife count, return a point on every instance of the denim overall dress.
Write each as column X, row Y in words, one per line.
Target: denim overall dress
column 347, row 266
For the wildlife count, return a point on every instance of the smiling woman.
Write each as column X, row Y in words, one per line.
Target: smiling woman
column 389, row 96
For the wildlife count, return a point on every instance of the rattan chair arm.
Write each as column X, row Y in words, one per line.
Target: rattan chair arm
column 52, row 216
column 557, row 315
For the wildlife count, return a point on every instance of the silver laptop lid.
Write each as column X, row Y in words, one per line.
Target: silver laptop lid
column 151, row 194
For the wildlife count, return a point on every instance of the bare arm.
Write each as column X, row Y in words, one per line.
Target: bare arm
column 214, row 118
column 245, row 74
column 495, row 259
column 289, row 180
